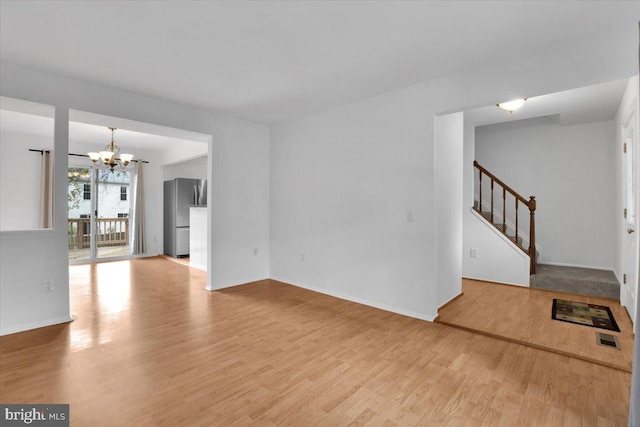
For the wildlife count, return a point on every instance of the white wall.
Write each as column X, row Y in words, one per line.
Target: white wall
column 343, row 180
column 239, row 177
column 195, row 168
column 20, row 179
column 183, row 153
column 570, row 170
column 628, row 103
column 448, row 158
column 498, row 259
column 27, row 258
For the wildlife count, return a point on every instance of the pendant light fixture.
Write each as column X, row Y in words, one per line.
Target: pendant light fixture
column 108, row 156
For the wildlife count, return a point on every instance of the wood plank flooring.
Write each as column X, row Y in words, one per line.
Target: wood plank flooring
column 151, row 347
column 524, row 315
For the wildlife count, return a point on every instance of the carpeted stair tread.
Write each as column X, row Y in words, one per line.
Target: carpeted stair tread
column 487, row 216
column 576, row 280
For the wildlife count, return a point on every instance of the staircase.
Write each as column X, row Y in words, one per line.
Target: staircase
column 502, row 227
column 504, row 210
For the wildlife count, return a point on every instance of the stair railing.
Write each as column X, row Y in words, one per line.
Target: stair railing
column 531, row 204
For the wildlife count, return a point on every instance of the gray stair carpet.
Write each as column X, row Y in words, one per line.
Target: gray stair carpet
column 575, row 280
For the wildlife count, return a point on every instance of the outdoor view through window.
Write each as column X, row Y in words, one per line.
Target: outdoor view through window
column 104, row 193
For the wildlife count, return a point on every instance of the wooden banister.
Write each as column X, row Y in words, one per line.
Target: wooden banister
column 530, row 203
column 499, row 182
column 532, row 234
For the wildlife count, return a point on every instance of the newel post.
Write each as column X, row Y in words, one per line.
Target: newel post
column 532, row 235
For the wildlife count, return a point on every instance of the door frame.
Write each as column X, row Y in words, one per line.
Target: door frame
column 631, row 240
column 93, row 210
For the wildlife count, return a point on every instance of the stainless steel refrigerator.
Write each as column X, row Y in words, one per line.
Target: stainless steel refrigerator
column 179, row 195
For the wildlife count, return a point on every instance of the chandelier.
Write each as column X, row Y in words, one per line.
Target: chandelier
column 108, row 156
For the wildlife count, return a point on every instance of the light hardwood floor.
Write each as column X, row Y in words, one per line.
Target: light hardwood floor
column 523, row 315
column 151, row 347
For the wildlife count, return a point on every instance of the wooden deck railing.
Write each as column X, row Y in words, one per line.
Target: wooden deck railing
column 111, row 232
column 530, row 204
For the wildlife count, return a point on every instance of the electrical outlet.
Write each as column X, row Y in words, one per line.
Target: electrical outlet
column 409, row 216
column 302, row 257
column 255, row 251
column 474, row 253
column 48, row 284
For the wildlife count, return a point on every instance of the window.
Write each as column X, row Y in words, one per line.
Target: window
column 123, row 193
column 123, row 215
column 86, row 192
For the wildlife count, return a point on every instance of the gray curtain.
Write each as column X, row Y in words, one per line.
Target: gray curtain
column 46, row 190
column 138, row 244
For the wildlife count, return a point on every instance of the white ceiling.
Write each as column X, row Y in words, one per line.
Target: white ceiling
column 583, row 105
column 270, row 61
column 98, row 136
column 93, row 136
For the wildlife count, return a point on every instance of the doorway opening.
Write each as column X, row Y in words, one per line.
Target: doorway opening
column 115, row 212
column 99, row 213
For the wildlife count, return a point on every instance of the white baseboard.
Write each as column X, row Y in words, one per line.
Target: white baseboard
column 449, row 300
column 370, row 303
column 34, row 325
column 562, row 264
column 115, row 258
column 198, row 266
column 496, row 281
column 234, row 283
column 627, row 302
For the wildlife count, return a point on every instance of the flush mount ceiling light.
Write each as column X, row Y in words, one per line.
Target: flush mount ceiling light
column 511, row 106
column 108, row 156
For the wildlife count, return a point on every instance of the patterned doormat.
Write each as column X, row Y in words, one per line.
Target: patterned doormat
column 596, row 316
